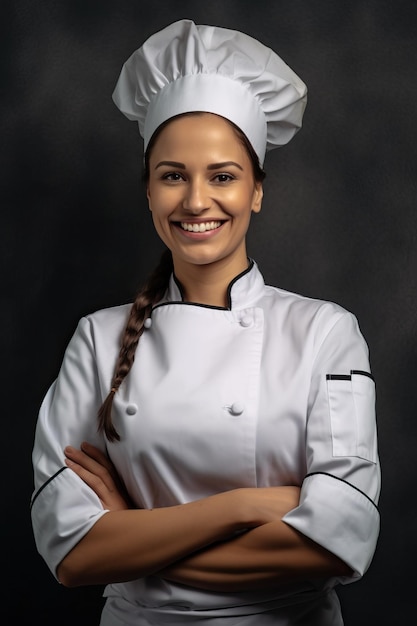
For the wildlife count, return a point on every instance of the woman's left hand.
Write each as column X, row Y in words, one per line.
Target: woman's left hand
column 99, row 473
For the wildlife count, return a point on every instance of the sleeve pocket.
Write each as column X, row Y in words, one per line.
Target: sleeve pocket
column 351, row 400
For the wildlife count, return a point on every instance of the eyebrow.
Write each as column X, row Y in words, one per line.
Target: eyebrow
column 219, row 166
column 180, row 166
column 212, row 166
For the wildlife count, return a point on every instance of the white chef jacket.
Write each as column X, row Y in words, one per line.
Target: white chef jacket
column 273, row 390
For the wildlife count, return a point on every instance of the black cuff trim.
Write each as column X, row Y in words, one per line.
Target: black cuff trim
column 343, row 481
column 45, row 484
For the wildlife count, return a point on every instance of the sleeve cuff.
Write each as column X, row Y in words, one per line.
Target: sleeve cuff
column 338, row 517
column 62, row 513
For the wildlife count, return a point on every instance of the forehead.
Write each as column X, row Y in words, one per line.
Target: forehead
column 199, row 134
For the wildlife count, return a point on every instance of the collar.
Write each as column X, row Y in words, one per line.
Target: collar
column 243, row 291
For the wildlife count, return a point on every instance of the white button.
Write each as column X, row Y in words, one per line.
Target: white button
column 147, row 323
column 246, row 321
column 131, row 409
column 237, row 408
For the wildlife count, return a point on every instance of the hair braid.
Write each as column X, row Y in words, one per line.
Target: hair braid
column 151, row 292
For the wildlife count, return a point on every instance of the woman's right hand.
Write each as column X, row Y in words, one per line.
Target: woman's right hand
column 99, row 473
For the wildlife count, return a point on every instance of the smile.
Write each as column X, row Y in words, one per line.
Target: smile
column 202, row 227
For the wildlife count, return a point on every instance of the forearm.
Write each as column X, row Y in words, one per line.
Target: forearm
column 128, row 544
column 265, row 556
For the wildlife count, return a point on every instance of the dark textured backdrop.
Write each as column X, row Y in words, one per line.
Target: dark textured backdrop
column 339, row 223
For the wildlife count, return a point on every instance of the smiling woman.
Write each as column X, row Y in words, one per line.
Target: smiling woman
column 232, row 475
column 202, row 192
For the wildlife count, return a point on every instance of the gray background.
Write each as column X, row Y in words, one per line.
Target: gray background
column 338, row 223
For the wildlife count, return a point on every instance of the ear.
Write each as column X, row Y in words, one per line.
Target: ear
column 148, row 195
column 258, row 195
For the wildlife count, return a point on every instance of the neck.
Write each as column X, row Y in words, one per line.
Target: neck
column 208, row 284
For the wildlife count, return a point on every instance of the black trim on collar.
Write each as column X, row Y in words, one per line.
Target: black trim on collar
column 346, row 483
column 45, row 484
column 236, row 278
column 182, row 303
column 209, row 306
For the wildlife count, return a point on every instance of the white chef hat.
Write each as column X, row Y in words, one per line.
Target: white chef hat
column 187, row 67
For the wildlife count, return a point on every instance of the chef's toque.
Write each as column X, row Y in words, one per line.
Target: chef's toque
column 187, row 67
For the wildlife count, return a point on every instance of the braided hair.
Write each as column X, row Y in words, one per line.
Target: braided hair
column 151, row 293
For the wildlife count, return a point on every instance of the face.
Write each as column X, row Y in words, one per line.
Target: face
column 202, row 192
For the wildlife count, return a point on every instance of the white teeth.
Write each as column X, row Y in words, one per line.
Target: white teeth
column 200, row 228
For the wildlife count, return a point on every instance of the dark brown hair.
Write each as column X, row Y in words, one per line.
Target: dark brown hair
column 150, row 294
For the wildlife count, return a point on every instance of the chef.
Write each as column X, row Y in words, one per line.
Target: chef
column 209, row 452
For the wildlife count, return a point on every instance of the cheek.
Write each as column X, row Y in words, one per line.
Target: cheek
column 158, row 222
column 158, row 205
column 162, row 202
column 240, row 201
column 161, row 229
column 160, row 214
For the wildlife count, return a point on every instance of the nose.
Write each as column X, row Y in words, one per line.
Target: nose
column 196, row 198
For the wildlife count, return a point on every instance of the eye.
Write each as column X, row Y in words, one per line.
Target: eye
column 173, row 177
column 223, row 178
